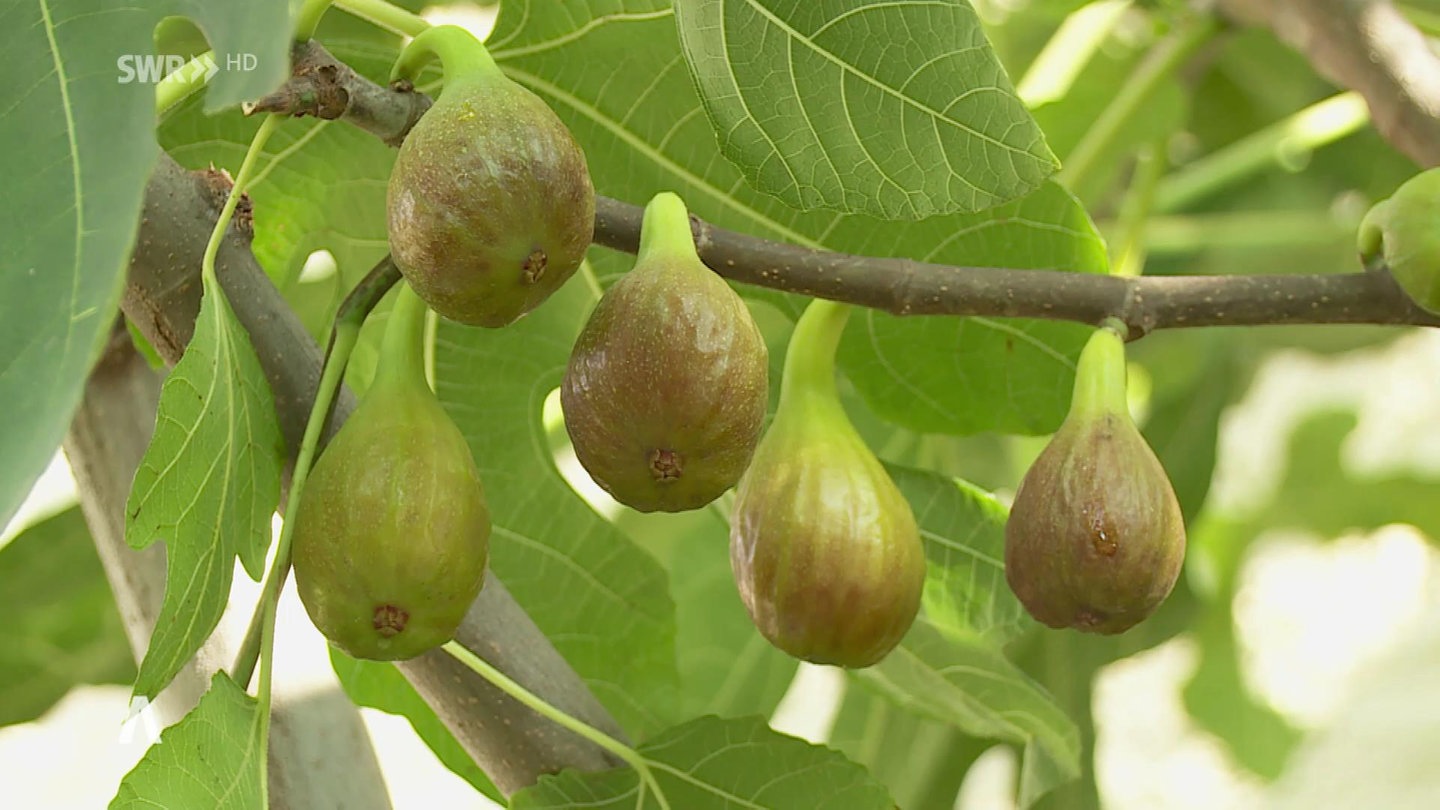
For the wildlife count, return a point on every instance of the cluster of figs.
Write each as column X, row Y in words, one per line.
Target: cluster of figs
column 491, row 209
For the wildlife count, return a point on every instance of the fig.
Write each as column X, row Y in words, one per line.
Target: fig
column 1404, row 232
column 490, row 205
column 1095, row 539
column 824, row 547
column 665, row 393
column 392, row 530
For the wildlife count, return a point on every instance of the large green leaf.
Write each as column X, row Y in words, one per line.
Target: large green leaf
column 726, row 667
column 922, row 761
column 64, row 628
column 969, row 684
column 965, row 375
column 621, row 86
column 212, row 758
column 715, row 764
column 379, row 685
column 526, row 26
column 601, row 599
column 964, row 534
column 207, row 485
column 898, row 109
column 77, row 143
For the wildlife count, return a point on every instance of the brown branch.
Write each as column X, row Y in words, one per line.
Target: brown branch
column 906, row 287
column 327, row 88
column 162, row 298
column 1366, row 46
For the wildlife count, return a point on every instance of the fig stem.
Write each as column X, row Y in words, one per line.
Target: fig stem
column 385, row 15
column 810, row 360
column 538, row 704
column 460, row 54
column 665, row 230
column 402, row 351
column 308, row 18
column 1100, row 376
column 243, row 177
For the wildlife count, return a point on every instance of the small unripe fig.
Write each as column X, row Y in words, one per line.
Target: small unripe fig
column 1404, row 231
column 665, row 393
column 392, row 531
column 490, row 203
column 825, row 550
column 1095, row 538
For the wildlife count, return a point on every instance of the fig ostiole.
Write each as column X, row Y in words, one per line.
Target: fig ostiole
column 665, row 393
column 824, row 548
column 1095, row 538
column 490, row 204
column 1404, row 232
column 392, row 531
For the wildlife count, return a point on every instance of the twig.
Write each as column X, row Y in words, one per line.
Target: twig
column 905, row 287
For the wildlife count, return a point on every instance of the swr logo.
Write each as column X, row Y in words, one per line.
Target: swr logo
column 151, row 68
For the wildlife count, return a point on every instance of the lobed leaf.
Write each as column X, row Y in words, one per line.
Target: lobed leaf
column 78, row 138
column 713, row 763
column 214, row 757
column 898, row 110
column 207, row 485
column 600, row 599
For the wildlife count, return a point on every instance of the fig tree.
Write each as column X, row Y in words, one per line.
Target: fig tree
column 665, row 393
column 490, row 204
column 392, row 531
column 824, row 548
column 1095, row 538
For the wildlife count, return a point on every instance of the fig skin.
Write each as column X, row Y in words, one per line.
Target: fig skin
column 665, row 393
column 1095, row 538
column 1404, row 231
column 824, row 548
column 490, row 204
column 392, row 531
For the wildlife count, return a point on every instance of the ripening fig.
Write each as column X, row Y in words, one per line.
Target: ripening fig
column 665, row 393
column 824, row 548
column 1404, row 231
column 490, row 203
column 1095, row 538
column 392, row 531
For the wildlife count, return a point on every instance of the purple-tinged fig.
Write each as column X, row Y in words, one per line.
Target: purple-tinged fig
column 665, row 393
column 392, row 531
column 824, row 548
column 490, row 204
column 1095, row 538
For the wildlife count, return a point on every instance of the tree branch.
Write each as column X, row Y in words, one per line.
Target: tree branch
column 1366, row 46
column 906, row 287
column 162, row 298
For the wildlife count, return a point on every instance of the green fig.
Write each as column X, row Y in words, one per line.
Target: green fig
column 824, row 548
column 665, row 393
column 490, row 203
column 1095, row 538
column 1404, row 231
column 392, row 531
